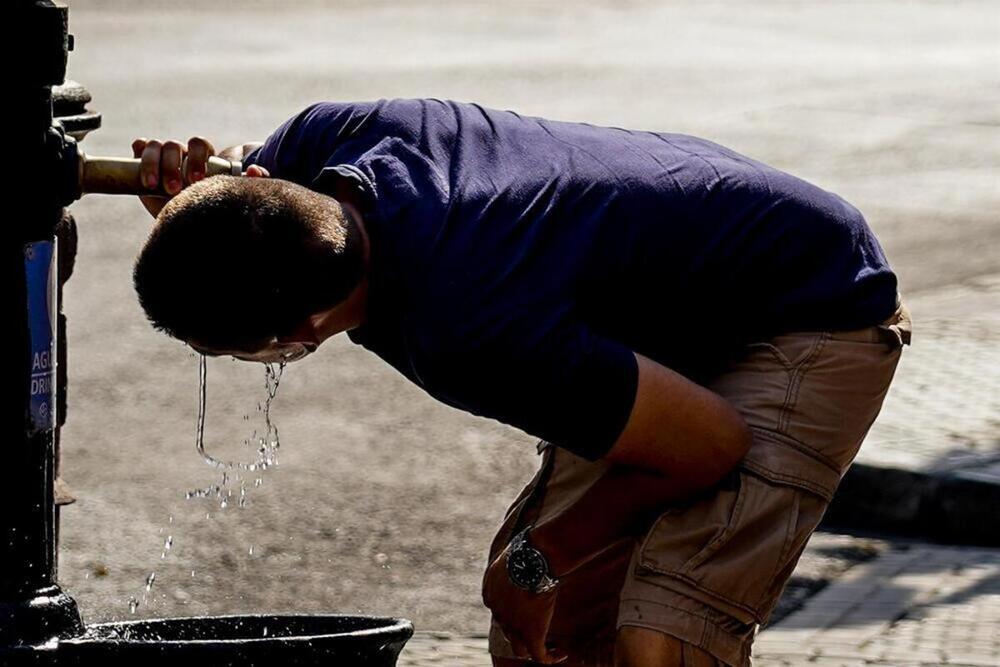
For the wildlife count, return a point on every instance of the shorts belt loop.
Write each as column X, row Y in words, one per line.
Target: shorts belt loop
column 897, row 331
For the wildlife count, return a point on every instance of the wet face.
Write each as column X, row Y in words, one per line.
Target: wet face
column 273, row 352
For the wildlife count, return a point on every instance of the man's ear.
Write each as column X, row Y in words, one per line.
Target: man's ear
column 304, row 332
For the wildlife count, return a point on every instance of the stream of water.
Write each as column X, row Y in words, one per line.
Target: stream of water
column 265, row 444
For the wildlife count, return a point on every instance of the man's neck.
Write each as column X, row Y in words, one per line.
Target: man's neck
column 351, row 312
column 346, row 315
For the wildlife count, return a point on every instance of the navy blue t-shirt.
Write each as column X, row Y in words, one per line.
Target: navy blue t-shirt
column 518, row 262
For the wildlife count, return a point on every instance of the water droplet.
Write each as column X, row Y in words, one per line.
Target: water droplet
column 149, row 581
column 251, row 550
column 166, row 546
column 265, row 631
column 133, row 604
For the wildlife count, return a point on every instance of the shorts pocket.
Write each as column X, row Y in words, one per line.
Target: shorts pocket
column 772, row 350
column 734, row 549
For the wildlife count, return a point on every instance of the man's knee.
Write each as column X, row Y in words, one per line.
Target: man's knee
column 641, row 647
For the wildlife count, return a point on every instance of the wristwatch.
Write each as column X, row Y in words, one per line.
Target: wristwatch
column 527, row 567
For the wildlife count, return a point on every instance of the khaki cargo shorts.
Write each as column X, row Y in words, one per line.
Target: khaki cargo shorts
column 710, row 570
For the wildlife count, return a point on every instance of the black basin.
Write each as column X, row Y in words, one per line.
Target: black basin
column 224, row 641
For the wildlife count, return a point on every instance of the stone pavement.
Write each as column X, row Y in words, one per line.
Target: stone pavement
column 914, row 605
column 930, row 466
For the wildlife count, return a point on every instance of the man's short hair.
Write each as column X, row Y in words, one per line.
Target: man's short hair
column 233, row 261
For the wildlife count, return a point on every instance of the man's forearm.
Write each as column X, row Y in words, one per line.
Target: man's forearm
column 680, row 439
column 624, row 501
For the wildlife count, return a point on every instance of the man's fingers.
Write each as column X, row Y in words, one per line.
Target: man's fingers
column 540, row 652
column 201, row 143
column 535, row 649
column 149, row 168
column 256, row 171
column 138, row 146
column 199, row 150
column 171, row 159
column 518, row 646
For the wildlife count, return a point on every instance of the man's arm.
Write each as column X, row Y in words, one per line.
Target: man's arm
column 680, row 439
column 680, row 429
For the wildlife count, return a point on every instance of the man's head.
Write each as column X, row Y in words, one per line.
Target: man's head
column 234, row 263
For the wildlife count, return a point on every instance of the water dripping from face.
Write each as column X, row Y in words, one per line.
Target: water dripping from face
column 274, row 352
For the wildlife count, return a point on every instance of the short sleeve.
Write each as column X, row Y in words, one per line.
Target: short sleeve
column 307, row 142
column 569, row 386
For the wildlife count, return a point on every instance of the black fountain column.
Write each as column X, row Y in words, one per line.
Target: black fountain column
column 33, row 609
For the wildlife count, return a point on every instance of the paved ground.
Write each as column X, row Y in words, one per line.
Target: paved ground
column 913, row 605
column 384, row 501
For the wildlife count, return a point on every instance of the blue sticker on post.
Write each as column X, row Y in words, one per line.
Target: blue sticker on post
column 40, row 274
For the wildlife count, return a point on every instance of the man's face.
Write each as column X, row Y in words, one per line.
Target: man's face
column 273, row 352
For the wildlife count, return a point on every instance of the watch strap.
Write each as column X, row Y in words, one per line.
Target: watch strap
column 520, row 541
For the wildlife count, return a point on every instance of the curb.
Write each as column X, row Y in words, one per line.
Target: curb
column 945, row 508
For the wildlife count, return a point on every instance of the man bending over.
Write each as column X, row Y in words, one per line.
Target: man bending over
column 701, row 341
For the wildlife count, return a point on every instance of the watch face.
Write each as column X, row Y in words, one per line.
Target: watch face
column 526, row 568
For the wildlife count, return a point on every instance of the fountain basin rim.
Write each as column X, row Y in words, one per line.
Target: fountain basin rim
column 388, row 626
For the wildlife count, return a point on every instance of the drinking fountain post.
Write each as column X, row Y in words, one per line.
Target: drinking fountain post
column 33, row 608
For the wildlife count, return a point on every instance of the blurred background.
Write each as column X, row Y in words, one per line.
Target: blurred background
column 383, row 500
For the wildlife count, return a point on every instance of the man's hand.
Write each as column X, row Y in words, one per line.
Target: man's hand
column 165, row 162
column 523, row 616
